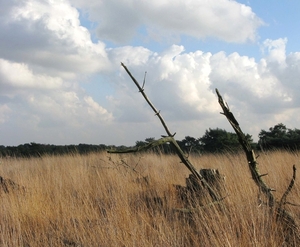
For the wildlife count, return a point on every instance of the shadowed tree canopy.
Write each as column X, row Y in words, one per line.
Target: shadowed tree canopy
column 219, row 140
column 190, row 144
column 279, row 137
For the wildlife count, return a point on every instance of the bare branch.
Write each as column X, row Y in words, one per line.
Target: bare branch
column 251, row 157
column 169, row 138
column 284, row 196
column 144, row 80
column 141, row 90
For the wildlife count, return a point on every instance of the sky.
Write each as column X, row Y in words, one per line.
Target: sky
column 61, row 80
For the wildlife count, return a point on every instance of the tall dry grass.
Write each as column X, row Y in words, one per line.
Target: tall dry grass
column 95, row 200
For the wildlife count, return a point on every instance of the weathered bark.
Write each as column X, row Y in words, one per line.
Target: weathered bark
column 169, row 138
column 251, row 158
column 284, row 218
column 141, row 90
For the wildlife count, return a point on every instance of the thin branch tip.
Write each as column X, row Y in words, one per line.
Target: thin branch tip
column 144, row 80
column 262, row 175
column 157, row 113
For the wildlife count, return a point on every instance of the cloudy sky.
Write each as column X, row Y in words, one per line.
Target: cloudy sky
column 61, row 81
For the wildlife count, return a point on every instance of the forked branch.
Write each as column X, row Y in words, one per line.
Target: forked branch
column 284, row 197
column 288, row 222
column 251, row 158
column 169, row 138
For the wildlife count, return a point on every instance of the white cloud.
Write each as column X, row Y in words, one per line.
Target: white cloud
column 47, row 56
column 16, row 76
column 44, row 53
column 267, row 86
column 276, row 51
column 66, row 109
column 129, row 55
column 96, row 112
column 185, row 82
column 47, row 36
column 223, row 19
column 45, row 103
column 182, row 86
column 4, row 112
column 177, row 83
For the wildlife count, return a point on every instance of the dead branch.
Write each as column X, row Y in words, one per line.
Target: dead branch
column 141, row 90
column 289, row 224
column 169, row 138
column 283, row 217
column 288, row 190
column 251, row 158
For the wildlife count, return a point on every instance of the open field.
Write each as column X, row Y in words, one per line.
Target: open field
column 95, row 200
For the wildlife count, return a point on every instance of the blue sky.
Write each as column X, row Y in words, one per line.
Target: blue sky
column 61, row 80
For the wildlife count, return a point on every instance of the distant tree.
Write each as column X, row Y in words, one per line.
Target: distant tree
column 3, row 151
column 143, row 143
column 140, row 143
column 36, row 150
column 219, row 140
column 147, row 140
column 279, row 137
column 190, row 144
column 150, row 139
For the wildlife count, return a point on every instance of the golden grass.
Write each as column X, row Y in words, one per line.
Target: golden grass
column 94, row 200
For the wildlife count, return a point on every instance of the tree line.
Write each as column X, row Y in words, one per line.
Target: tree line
column 213, row 141
column 36, row 150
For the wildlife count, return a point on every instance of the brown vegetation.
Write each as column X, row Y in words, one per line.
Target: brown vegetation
column 96, row 200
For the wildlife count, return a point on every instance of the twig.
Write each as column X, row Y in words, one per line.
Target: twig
column 293, row 204
column 283, row 198
column 144, row 80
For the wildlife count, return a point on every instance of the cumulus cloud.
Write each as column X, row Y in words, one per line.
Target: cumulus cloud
column 47, row 58
column 45, row 104
column 176, row 81
column 47, row 35
column 182, row 86
column 285, row 67
column 44, row 54
column 17, row 76
column 118, row 20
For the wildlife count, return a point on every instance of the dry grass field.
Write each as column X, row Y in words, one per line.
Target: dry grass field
column 95, row 200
